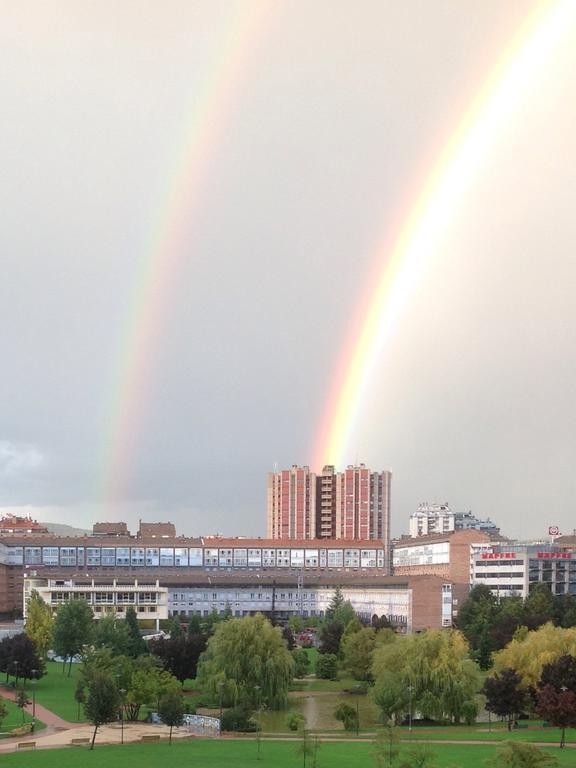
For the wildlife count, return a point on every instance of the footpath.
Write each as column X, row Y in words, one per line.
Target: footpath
column 61, row 733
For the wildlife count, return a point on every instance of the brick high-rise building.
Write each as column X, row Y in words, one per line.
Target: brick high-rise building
column 353, row 504
column 292, row 504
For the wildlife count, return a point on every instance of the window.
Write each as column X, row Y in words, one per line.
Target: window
column 50, row 556
column 92, row 555
column 166, row 557
column 67, row 555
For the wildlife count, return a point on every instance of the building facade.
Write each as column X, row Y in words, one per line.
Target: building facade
column 105, row 596
column 193, row 576
column 440, row 519
column 353, row 504
column 512, row 569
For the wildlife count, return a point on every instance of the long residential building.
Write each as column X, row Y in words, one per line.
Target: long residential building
column 353, row 504
column 194, row 576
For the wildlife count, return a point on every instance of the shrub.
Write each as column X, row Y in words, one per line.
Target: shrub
column 295, row 720
column 347, row 715
column 470, row 712
column 327, row 666
column 238, row 719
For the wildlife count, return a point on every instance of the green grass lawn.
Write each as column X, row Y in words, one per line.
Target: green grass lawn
column 14, row 719
column 240, row 754
column 55, row 691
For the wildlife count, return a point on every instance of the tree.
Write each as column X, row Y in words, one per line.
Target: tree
column 340, row 610
column 39, row 622
column 504, row 695
column 348, row 716
column 3, row 711
column 559, row 707
column 102, row 703
column 180, row 655
column 432, row 673
column 136, row 643
column 143, row 678
column 357, row 651
column 556, row 696
column 288, row 638
column 301, row 662
column 539, row 605
column 330, row 636
column 22, row 702
column 529, row 652
column 175, row 628
column 79, row 697
column 385, row 747
column 327, row 666
column 249, row 658
column 171, row 711
column 194, row 625
column 18, row 657
column 521, row 754
column 113, row 633
column 73, row 628
column 335, row 604
column 306, row 746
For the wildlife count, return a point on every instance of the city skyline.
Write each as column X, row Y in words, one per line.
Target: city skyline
column 239, row 236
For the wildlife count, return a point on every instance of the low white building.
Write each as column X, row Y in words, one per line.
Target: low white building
column 105, row 597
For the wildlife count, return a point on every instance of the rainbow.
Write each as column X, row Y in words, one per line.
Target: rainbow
column 403, row 266
column 159, row 266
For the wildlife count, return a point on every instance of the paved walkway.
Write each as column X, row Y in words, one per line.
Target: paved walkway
column 42, row 714
column 60, row 733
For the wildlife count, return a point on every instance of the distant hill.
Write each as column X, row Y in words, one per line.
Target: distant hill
column 59, row 529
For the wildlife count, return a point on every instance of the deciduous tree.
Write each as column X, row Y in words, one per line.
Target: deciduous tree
column 529, row 652
column 357, row 652
column 435, row 667
column 505, row 696
column 171, row 710
column 73, row 629
column 249, row 658
column 102, row 703
column 39, row 622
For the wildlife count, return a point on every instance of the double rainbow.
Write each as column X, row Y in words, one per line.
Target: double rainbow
column 169, row 245
column 429, row 218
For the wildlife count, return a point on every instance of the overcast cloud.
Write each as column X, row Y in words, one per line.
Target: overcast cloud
column 335, row 119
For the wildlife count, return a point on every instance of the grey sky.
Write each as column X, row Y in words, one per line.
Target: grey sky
column 334, row 122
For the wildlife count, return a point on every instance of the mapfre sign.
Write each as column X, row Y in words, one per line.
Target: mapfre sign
column 499, row 555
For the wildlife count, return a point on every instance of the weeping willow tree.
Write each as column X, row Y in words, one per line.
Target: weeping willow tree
column 431, row 673
column 247, row 663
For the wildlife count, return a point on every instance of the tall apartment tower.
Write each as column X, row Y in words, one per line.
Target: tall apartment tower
column 353, row 504
column 292, row 504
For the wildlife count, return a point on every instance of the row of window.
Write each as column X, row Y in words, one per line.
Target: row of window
column 196, row 557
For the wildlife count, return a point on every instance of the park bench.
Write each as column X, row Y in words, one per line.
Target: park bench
column 26, row 745
column 80, row 742
column 150, row 737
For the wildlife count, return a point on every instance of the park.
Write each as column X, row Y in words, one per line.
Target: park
column 339, row 693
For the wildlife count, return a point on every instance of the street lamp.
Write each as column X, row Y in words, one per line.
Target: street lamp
column 410, row 691
column 221, row 689
column 15, row 665
column 122, row 694
column 33, row 682
column 258, row 696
